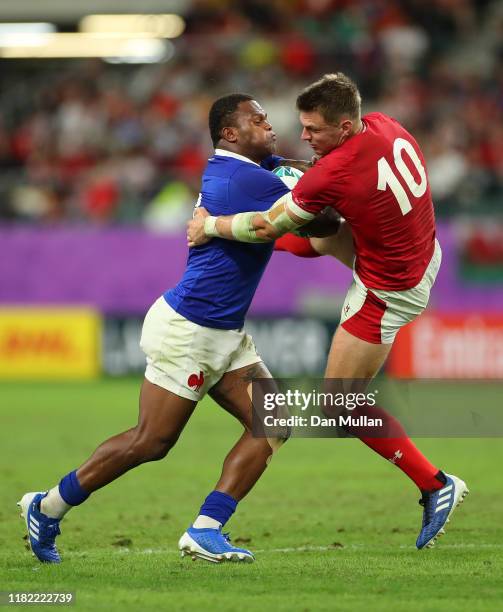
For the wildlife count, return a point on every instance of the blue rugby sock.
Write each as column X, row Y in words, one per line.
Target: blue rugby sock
column 219, row 506
column 71, row 491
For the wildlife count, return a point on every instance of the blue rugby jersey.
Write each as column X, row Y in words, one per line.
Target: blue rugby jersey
column 222, row 276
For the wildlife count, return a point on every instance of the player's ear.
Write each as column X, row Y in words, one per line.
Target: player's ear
column 230, row 134
column 347, row 126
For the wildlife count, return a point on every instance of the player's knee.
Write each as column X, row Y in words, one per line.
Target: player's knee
column 159, row 449
column 323, row 246
column 151, row 447
column 276, row 444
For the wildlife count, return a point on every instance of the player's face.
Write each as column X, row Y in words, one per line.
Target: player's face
column 254, row 136
column 323, row 137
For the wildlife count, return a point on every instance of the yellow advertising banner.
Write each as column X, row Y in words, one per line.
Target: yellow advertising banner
column 49, row 343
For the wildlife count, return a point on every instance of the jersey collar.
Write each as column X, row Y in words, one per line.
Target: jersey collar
column 224, row 153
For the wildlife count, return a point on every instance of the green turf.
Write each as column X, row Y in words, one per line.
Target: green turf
column 355, row 515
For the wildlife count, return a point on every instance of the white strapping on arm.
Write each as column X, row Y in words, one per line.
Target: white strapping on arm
column 242, row 226
column 277, row 216
column 210, row 227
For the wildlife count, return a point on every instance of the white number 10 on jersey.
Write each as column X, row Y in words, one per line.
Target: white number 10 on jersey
column 387, row 178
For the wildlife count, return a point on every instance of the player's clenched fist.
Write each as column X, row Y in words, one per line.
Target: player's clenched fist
column 195, row 228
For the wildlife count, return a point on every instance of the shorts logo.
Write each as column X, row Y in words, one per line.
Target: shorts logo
column 346, row 309
column 196, row 381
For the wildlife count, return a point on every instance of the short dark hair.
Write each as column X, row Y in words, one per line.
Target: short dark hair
column 221, row 113
column 333, row 96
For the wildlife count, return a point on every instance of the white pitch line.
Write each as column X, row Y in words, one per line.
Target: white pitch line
column 171, row 551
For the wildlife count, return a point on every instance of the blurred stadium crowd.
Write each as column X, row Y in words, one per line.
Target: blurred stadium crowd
column 94, row 142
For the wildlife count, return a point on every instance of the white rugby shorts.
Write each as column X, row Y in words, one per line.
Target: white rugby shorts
column 186, row 358
column 376, row 316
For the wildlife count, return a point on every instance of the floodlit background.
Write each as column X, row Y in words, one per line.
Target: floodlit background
column 103, row 139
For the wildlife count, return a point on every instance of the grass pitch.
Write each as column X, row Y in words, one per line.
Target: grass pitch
column 333, row 525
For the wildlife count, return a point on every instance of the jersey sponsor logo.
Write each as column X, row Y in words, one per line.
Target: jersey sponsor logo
column 196, row 381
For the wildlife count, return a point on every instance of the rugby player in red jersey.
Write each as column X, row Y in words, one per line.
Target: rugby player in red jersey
column 372, row 172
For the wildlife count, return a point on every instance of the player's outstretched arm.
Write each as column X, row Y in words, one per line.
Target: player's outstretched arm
column 283, row 216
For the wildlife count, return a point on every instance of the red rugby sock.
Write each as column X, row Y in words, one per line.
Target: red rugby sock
column 399, row 449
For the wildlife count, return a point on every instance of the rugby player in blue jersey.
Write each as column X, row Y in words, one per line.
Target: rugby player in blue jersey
column 195, row 344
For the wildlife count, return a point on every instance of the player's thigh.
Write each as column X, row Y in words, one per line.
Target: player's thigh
column 234, row 391
column 163, row 414
column 352, row 357
column 340, row 246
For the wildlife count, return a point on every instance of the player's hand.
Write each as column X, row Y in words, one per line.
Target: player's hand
column 301, row 164
column 195, row 228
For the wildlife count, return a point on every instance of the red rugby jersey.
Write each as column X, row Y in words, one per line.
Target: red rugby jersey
column 377, row 181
